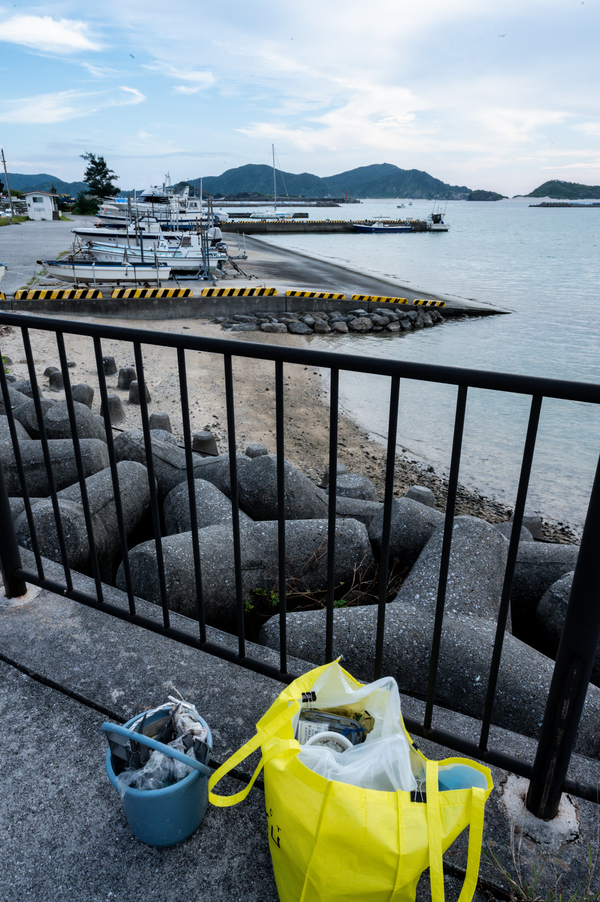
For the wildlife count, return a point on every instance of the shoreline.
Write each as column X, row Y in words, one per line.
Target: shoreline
column 307, row 411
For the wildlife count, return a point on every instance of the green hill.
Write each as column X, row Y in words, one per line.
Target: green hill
column 485, row 195
column 42, row 182
column 258, row 179
column 566, row 191
column 387, row 180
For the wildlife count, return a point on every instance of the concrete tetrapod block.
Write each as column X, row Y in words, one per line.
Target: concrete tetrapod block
column 411, row 526
column 56, row 420
column 465, row 656
column 134, row 494
column 84, row 394
column 550, row 618
column 213, row 508
column 353, row 485
column 5, row 436
column 170, row 464
column 421, row 494
column 306, row 556
column 365, row 511
column 158, row 420
column 258, row 491
column 115, row 409
column 475, row 575
column 94, row 455
column 16, row 399
column 539, row 565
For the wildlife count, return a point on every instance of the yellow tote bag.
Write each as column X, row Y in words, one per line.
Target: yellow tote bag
column 335, row 842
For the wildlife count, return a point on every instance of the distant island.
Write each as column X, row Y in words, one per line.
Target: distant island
column 486, row 195
column 381, row 180
column 566, row 191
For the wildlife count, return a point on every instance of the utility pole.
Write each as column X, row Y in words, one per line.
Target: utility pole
column 12, row 212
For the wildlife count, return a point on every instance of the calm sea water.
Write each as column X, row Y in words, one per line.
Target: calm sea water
column 541, row 264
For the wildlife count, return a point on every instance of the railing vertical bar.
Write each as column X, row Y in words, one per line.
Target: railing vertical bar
column 459, row 425
column 48, row 463
column 189, row 466
column 112, row 457
column 280, row 436
column 574, row 662
column 85, row 502
column 10, row 556
column 160, row 561
column 235, row 504
column 334, row 400
column 388, row 497
column 513, row 547
column 21, row 471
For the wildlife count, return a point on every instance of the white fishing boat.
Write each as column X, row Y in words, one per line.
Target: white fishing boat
column 71, row 269
column 174, row 210
column 435, row 223
column 185, row 253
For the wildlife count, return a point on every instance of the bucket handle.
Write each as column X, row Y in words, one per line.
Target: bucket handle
column 157, row 746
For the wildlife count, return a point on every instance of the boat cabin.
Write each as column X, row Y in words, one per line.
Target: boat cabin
column 42, row 205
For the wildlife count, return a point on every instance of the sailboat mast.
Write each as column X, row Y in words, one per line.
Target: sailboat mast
column 274, row 181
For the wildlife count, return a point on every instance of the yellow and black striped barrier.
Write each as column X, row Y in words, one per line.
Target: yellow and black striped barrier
column 377, row 299
column 237, row 292
column 151, row 293
column 56, row 294
column 383, row 300
column 315, row 294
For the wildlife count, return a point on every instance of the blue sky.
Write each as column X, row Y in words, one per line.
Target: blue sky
column 499, row 96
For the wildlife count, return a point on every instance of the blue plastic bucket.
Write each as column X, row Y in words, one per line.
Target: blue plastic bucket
column 163, row 817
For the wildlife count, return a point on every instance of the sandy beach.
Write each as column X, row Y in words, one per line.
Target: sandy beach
column 306, row 439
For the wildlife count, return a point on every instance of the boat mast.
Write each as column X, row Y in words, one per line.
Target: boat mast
column 274, row 181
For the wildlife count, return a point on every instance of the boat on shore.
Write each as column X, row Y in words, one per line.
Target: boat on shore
column 380, row 227
column 92, row 272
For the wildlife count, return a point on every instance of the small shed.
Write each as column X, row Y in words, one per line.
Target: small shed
column 42, row 205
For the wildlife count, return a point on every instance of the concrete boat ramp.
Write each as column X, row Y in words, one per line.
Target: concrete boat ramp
column 265, row 266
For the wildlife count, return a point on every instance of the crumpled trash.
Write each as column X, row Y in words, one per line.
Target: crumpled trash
column 147, row 769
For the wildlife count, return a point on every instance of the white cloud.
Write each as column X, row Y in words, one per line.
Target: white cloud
column 133, row 97
column 47, row 34
column 199, row 81
column 46, row 109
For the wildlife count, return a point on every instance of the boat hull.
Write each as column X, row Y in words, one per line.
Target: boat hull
column 381, row 229
column 94, row 272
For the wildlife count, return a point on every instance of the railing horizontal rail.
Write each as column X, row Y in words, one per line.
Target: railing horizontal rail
column 423, row 372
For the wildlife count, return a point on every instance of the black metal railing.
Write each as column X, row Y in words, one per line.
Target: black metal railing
column 548, row 775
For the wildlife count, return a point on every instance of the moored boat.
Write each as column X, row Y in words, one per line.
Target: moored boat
column 70, row 269
column 435, row 223
column 381, row 227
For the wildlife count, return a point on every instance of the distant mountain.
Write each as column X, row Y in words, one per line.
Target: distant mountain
column 258, row 179
column 566, row 191
column 42, row 182
column 379, row 180
column 387, row 180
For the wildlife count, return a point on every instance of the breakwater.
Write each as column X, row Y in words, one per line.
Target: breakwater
column 289, row 226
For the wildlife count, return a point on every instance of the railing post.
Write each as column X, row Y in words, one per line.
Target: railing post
column 10, row 556
column 572, row 671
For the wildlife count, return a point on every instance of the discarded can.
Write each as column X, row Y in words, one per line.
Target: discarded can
column 312, row 722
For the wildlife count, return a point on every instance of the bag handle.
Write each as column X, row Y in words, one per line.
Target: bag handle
column 434, row 829
column 262, row 735
column 265, row 729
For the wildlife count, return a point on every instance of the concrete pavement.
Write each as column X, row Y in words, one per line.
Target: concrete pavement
column 66, row 668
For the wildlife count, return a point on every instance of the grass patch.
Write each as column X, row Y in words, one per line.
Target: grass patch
column 11, row 220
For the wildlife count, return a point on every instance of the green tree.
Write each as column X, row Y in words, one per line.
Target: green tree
column 99, row 177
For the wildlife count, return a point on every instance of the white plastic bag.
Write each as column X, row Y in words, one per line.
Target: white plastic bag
column 382, row 761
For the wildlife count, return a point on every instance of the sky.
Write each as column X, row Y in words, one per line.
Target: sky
column 500, row 96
